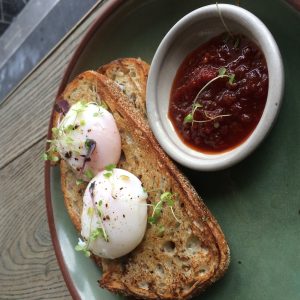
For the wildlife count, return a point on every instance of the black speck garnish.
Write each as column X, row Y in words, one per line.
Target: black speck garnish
column 89, row 130
column 106, row 204
column 90, row 146
column 121, row 188
column 76, row 158
column 76, row 126
column 62, row 106
column 68, row 154
column 91, row 188
column 123, row 216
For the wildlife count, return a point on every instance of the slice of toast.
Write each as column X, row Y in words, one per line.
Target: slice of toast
column 131, row 75
column 189, row 255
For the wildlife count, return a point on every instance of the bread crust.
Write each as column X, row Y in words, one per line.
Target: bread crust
column 198, row 226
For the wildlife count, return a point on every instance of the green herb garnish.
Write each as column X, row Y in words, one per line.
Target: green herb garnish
column 83, row 247
column 107, row 174
column 110, row 167
column 109, row 170
column 167, row 198
column 89, row 174
column 102, row 233
column 189, row 118
column 160, row 230
column 79, row 181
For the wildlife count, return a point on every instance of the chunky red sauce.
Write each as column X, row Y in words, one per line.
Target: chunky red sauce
column 227, row 110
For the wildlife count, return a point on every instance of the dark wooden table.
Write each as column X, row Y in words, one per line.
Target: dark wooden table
column 28, row 266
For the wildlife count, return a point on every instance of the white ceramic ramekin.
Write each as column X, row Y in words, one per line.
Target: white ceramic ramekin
column 187, row 34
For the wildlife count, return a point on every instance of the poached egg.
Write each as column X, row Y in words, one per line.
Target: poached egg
column 114, row 216
column 88, row 139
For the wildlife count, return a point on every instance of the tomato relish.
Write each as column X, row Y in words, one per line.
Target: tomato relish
column 227, row 110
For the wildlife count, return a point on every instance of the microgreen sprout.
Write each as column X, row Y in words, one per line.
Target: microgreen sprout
column 98, row 232
column 223, row 22
column 189, row 118
column 230, row 34
column 89, row 174
column 83, row 247
column 161, row 230
column 79, row 181
column 109, row 170
column 61, row 133
column 168, row 199
column 98, row 113
column 101, row 232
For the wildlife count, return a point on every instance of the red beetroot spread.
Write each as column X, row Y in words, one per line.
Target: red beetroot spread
column 242, row 102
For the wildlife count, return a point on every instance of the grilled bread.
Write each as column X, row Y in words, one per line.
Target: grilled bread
column 131, row 75
column 191, row 252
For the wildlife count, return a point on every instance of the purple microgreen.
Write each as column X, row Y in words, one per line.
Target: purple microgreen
column 62, row 106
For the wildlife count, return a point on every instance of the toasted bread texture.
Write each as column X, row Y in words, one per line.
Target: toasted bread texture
column 131, row 75
column 188, row 255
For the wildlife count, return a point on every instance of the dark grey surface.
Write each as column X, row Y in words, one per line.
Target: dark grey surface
column 54, row 26
column 9, row 9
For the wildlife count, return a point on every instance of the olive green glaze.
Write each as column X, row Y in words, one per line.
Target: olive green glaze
column 256, row 202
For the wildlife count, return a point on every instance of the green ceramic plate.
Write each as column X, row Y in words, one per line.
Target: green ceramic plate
column 256, row 202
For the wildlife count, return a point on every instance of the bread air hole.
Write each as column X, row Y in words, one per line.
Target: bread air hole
column 132, row 96
column 193, row 244
column 202, row 271
column 122, row 157
column 132, row 74
column 186, row 268
column 187, row 287
column 159, row 270
column 168, row 246
column 143, row 285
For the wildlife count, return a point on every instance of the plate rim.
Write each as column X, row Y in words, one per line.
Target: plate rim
column 104, row 12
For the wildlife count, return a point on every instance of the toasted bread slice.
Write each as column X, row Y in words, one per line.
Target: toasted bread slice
column 131, row 75
column 188, row 256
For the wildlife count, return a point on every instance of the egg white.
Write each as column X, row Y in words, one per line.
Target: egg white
column 124, row 213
